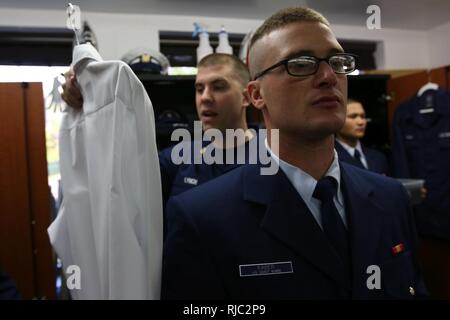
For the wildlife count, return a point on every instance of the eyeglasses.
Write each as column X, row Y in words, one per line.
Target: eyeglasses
column 301, row 66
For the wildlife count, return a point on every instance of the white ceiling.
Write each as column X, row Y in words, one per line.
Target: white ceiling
column 400, row 14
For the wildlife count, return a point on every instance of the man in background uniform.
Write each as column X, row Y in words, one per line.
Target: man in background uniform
column 221, row 100
column 349, row 147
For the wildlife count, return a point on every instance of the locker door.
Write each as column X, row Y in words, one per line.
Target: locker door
column 24, row 200
column 16, row 252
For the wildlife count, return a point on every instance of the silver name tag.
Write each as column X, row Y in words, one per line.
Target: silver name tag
column 264, row 269
column 190, row 181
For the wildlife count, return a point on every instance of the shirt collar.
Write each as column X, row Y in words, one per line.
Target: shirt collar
column 351, row 149
column 303, row 182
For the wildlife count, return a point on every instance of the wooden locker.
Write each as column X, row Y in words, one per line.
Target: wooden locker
column 25, row 252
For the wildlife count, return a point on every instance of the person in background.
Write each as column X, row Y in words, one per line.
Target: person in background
column 221, row 101
column 348, row 144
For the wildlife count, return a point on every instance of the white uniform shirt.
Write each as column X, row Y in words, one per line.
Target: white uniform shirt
column 110, row 223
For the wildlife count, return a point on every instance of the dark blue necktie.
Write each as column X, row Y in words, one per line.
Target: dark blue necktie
column 332, row 223
column 357, row 157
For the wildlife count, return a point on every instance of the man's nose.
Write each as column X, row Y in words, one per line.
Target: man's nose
column 206, row 95
column 325, row 76
column 361, row 120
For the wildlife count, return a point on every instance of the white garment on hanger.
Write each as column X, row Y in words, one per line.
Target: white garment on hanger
column 110, row 222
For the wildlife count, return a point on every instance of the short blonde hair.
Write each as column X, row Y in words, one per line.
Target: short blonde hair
column 285, row 17
column 352, row 100
column 240, row 69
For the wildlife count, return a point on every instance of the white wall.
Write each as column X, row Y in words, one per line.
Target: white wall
column 397, row 49
column 118, row 33
column 439, row 46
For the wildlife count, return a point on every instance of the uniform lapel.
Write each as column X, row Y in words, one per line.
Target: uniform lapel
column 370, row 160
column 345, row 156
column 365, row 219
column 289, row 220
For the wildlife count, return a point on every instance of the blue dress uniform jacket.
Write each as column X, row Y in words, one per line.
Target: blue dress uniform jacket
column 376, row 160
column 421, row 150
column 8, row 290
column 248, row 236
column 177, row 178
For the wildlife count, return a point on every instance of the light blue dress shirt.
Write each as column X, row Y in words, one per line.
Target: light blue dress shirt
column 305, row 185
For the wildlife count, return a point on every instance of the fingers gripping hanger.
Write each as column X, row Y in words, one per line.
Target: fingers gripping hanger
column 74, row 20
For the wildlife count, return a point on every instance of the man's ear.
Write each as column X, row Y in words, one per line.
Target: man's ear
column 254, row 92
column 245, row 98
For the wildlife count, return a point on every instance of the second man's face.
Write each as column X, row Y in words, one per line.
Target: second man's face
column 219, row 98
column 355, row 124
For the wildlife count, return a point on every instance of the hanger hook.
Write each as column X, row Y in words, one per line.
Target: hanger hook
column 70, row 9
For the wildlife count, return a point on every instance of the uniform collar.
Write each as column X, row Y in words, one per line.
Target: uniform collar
column 350, row 149
column 303, row 182
column 244, row 148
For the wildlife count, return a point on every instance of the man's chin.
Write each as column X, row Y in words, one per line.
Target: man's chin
column 208, row 126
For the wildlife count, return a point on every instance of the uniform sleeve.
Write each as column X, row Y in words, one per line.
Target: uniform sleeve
column 400, row 167
column 168, row 172
column 421, row 290
column 384, row 164
column 188, row 272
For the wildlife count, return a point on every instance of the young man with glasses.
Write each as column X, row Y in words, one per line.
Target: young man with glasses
column 318, row 228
